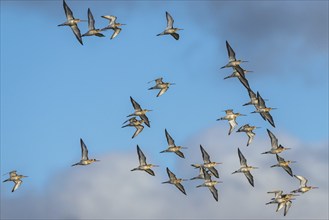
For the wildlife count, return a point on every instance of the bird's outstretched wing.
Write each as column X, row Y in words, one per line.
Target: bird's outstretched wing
column 243, row 161
column 141, row 156
column 230, row 52
column 170, row 21
column 84, row 150
column 91, row 20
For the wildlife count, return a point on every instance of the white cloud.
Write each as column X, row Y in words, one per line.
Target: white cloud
column 110, row 190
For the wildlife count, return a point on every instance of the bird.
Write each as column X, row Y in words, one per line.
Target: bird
column 210, row 184
column 284, row 164
column 233, row 62
column 276, row 148
column 286, row 203
column 72, row 22
column 15, row 178
column 159, row 84
column 303, row 188
column 263, row 110
column 239, row 73
column 133, row 122
column 231, row 117
column 207, row 163
column 143, row 165
column 201, row 174
column 245, row 168
column 277, row 194
column 279, row 197
column 172, row 147
column 139, row 112
column 84, row 155
column 253, row 98
column 249, row 131
column 283, row 200
column 170, row 29
column 92, row 31
column 175, row 181
column 112, row 25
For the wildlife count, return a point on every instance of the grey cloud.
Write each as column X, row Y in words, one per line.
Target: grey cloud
column 110, row 190
column 255, row 22
column 278, row 38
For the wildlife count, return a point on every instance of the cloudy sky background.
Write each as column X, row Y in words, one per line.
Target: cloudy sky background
column 54, row 91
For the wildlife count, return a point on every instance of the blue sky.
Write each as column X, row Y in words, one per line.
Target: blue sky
column 55, row 91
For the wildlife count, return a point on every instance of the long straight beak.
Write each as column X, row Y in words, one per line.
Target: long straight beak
column 150, row 81
column 315, row 187
column 83, row 20
column 156, row 166
column 172, row 83
column 125, row 121
column 227, row 77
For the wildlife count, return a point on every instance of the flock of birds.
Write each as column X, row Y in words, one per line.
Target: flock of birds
column 207, row 169
column 113, row 25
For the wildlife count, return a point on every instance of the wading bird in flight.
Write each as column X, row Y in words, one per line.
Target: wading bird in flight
column 15, row 178
column 84, row 155
column 175, row 181
column 92, row 31
column 170, row 28
column 72, row 22
column 245, row 169
column 112, row 25
column 172, row 146
column 143, row 165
